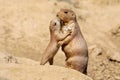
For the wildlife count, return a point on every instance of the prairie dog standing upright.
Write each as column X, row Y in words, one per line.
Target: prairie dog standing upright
column 74, row 46
column 56, row 35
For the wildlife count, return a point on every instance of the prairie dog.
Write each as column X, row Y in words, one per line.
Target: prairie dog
column 56, row 35
column 74, row 46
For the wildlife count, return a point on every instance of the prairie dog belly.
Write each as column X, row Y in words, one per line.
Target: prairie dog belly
column 67, row 28
column 76, row 46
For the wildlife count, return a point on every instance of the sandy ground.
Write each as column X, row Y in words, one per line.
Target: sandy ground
column 24, row 31
column 13, row 72
column 16, row 68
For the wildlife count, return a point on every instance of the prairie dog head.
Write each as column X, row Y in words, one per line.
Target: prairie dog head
column 55, row 24
column 66, row 15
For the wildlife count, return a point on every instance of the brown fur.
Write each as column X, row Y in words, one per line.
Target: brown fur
column 74, row 46
column 53, row 46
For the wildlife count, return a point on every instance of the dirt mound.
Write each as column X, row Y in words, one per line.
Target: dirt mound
column 24, row 72
column 12, row 68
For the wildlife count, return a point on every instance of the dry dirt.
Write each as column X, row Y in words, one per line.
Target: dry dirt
column 24, row 31
column 15, row 68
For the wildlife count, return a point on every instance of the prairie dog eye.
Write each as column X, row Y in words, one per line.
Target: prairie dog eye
column 65, row 12
column 55, row 24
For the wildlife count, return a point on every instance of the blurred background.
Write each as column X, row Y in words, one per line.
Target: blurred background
column 24, row 31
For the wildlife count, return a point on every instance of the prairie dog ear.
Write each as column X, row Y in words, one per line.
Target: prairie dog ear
column 73, row 15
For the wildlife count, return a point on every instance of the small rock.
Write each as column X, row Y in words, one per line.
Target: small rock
column 113, row 56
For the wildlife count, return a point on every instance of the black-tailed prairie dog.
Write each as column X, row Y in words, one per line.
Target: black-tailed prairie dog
column 56, row 35
column 74, row 46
